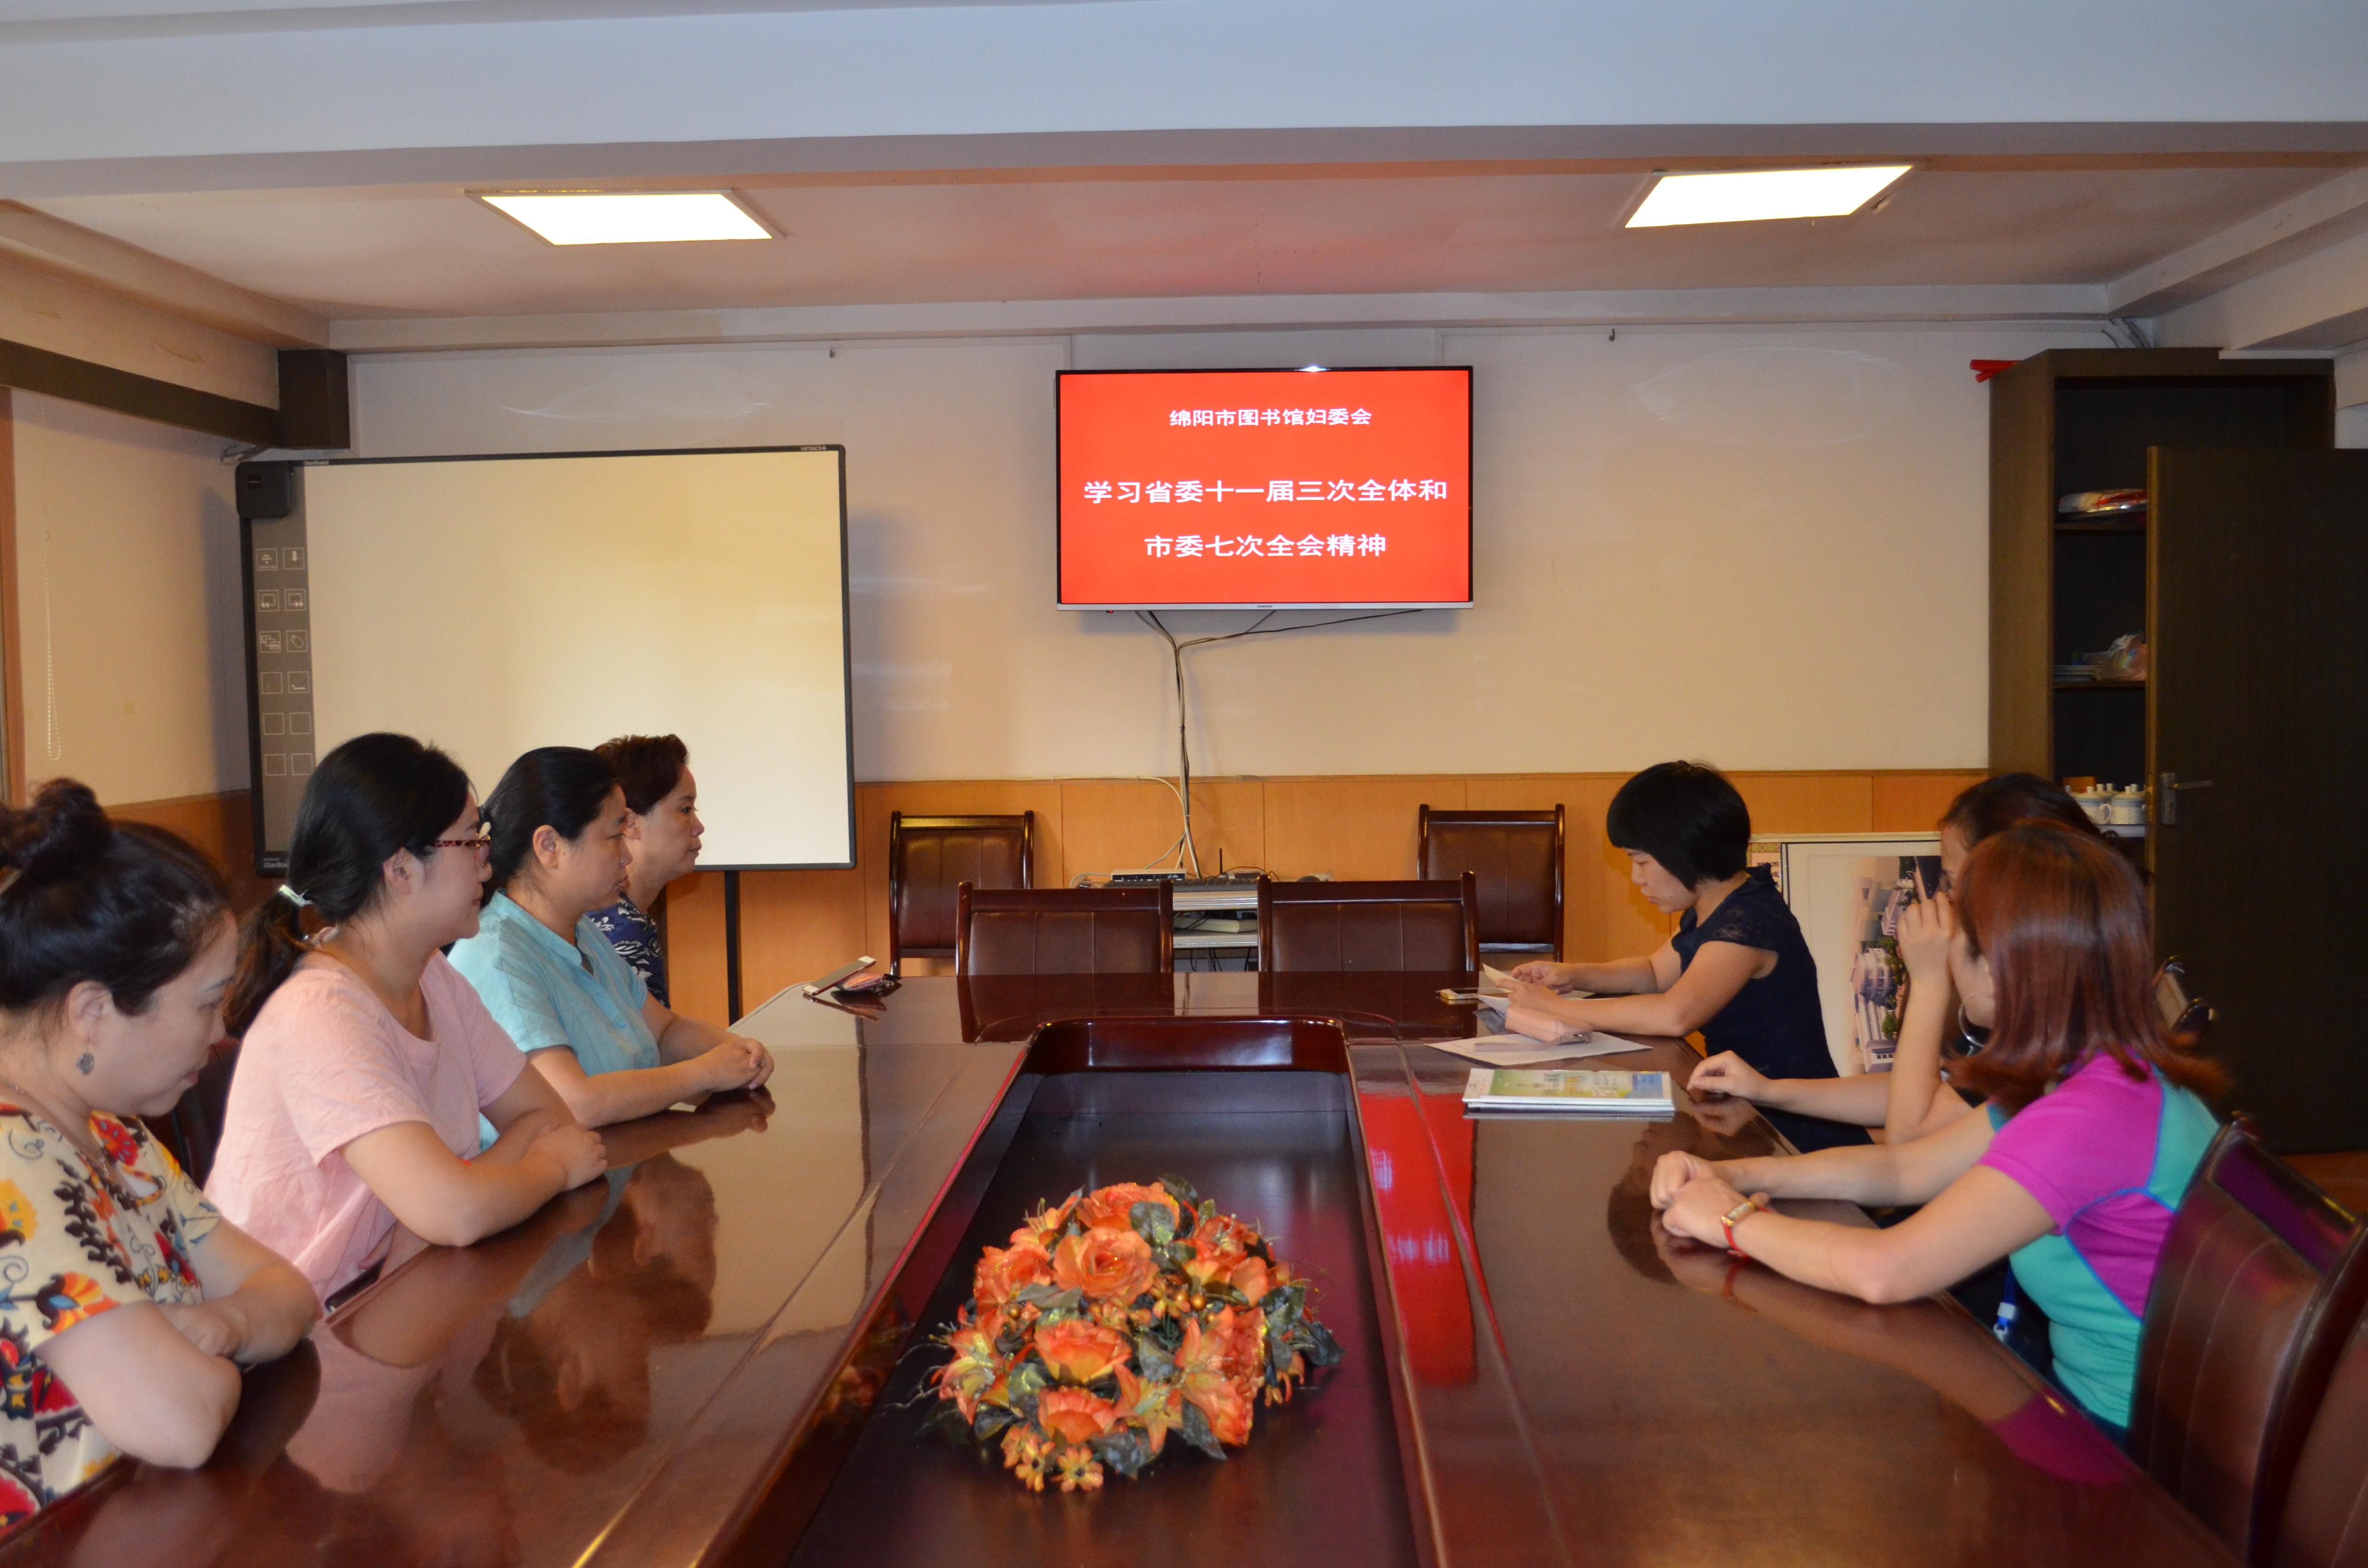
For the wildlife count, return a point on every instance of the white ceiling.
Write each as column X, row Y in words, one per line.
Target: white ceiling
column 1083, row 234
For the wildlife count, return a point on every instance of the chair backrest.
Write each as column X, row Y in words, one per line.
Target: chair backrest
column 2185, row 1019
column 2326, row 1520
column 192, row 1129
column 928, row 858
column 1329, row 928
column 1517, row 856
column 1128, row 930
column 2260, row 1283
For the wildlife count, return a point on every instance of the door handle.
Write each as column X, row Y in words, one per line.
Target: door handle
column 2167, row 798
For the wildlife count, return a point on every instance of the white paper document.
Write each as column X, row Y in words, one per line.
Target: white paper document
column 1520, row 1050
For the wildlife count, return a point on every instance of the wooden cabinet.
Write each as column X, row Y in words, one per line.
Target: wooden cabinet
column 2083, row 419
column 2247, row 571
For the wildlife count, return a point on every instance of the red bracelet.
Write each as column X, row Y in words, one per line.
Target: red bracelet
column 1734, row 1217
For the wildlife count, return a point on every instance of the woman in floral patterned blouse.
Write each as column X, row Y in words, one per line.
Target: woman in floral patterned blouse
column 127, row 1304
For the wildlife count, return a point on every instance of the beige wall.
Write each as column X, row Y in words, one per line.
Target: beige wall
column 1768, row 548
column 130, row 636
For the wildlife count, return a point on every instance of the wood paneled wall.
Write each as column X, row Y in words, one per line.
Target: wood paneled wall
column 796, row 925
column 222, row 825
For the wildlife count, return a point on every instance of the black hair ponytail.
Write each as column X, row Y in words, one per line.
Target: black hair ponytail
column 370, row 798
column 82, row 898
column 561, row 787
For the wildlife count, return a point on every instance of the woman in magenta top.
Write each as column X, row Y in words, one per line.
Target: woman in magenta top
column 367, row 1058
column 2093, row 1129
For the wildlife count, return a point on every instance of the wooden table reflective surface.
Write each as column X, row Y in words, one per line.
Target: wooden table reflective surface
column 674, row 1366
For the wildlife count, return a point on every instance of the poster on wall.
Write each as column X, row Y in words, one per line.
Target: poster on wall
column 1849, row 891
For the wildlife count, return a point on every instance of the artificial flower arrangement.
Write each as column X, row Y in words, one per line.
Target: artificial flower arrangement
column 1114, row 1319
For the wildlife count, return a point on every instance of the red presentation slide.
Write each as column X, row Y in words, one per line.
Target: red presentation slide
column 1266, row 487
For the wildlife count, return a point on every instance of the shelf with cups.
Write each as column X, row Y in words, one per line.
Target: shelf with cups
column 2119, row 683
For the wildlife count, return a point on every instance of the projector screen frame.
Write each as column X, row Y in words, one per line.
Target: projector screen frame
column 1060, row 588
column 252, row 511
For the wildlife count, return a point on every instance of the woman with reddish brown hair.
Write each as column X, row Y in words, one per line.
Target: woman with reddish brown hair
column 2093, row 1128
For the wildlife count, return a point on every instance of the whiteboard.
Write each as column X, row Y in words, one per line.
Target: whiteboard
column 494, row 604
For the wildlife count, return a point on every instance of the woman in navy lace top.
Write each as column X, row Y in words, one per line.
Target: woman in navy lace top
column 662, row 838
column 1738, row 968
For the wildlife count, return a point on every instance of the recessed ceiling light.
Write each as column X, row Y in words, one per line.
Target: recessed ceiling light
column 1751, row 195
column 637, row 217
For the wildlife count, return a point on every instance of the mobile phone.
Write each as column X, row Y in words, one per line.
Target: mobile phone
column 868, row 986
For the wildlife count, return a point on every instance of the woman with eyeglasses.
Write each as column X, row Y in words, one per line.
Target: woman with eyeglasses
column 2073, row 1169
column 582, row 1015
column 129, row 1303
column 1911, row 1099
column 367, row 1058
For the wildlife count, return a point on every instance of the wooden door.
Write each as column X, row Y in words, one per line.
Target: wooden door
column 2258, row 753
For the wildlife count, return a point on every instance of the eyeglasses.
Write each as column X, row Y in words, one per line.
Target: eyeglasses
column 481, row 843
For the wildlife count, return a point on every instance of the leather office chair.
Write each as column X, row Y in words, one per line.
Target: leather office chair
column 1064, row 930
column 928, row 858
column 2326, row 1519
column 192, row 1129
column 1337, row 927
column 2260, row 1281
column 1517, row 858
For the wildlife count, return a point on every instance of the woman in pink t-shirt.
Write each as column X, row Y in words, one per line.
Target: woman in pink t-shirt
column 367, row 1058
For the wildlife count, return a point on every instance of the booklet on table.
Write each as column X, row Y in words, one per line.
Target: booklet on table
column 1597, row 1090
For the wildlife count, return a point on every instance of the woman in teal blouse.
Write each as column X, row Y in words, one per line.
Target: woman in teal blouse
column 581, row 1014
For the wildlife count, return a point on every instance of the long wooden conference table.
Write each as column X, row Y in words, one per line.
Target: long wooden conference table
column 714, row 1355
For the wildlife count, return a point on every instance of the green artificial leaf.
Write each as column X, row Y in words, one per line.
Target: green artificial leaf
column 945, row 1420
column 1195, row 1430
column 1049, row 1298
column 1104, row 1387
column 991, row 1422
column 1151, row 1361
column 1155, row 1223
column 1182, row 1191
column 1168, row 1334
column 1225, row 1294
column 1320, row 1348
column 1284, row 1306
column 1125, row 1450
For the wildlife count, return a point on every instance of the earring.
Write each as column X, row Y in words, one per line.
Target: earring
column 85, row 1062
column 1974, row 1040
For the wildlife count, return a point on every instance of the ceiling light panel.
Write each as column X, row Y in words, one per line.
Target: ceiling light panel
column 620, row 218
column 1756, row 195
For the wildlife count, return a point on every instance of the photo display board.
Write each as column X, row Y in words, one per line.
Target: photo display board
column 1265, row 489
column 494, row 604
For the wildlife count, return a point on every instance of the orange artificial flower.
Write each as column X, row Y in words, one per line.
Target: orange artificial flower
column 1246, row 1348
column 1218, row 1245
column 1079, row 1352
column 1112, row 1264
column 1112, row 1208
column 1004, row 1272
column 1251, row 1278
column 1025, row 1453
column 1044, row 1226
column 1159, row 1406
column 976, row 1368
column 1205, row 1379
column 1079, row 1471
column 1073, row 1416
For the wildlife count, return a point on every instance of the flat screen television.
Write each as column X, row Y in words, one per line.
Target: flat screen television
column 1265, row 489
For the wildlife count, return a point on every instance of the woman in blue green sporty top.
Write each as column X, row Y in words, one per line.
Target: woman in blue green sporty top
column 2092, row 1135
column 581, row 1014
